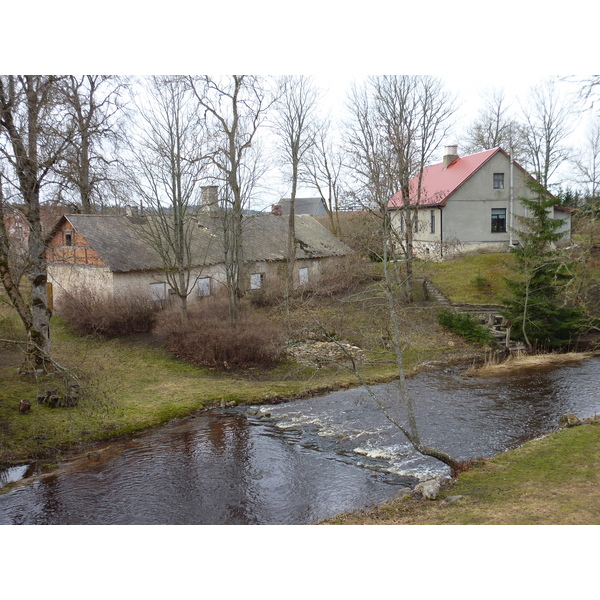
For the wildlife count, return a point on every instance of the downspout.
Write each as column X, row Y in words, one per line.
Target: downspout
column 511, row 197
column 441, row 233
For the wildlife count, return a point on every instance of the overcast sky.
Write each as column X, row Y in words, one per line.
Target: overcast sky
column 471, row 46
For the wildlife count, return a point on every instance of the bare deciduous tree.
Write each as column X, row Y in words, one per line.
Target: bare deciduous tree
column 325, row 171
column 34, row 139
column 167, row 166
column 397, row 123
column 546, row 126
column 93, row 103
column 495, row 127
column 296, row 125
column 234, row 108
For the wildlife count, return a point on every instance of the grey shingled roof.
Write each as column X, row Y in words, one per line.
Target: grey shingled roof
column 304, row 206
column 120, row 242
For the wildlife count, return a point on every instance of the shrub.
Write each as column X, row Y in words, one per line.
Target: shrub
column 466, row 326
column 481, row 283
column 343, row 275
column 206, row 336
column 107, row 316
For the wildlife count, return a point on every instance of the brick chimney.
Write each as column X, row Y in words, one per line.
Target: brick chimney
column 276, row 210
column 450, row 155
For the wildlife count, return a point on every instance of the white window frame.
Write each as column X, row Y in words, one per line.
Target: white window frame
column 203, row 286
column 303, row 275
column 158, row 292
column 256, row 280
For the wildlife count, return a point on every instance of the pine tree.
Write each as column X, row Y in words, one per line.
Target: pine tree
column 535, row 311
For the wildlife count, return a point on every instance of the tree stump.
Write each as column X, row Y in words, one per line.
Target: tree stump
column 24, row 406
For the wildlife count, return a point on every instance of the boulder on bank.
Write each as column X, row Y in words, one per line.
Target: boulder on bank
column 569, row 420
column 429, row 489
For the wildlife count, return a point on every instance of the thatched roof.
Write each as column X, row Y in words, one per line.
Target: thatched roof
column 122, row 243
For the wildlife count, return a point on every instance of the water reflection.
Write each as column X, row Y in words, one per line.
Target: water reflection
column 310, row 459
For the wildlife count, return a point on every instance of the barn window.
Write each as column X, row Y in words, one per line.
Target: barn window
column 157, row 292
column 204, row 286
column 256, row 281
column 68, row 239
column 303, row 275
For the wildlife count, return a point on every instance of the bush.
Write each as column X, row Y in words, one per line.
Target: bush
column 207, row 337
column 106, row 316
column 466, row 326
column 344, row 275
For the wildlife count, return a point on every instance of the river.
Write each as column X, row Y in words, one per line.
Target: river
column 302, row 461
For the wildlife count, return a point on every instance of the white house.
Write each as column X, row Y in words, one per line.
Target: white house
column 469, row 203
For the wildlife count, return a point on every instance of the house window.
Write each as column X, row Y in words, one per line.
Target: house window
column 498, row 220
column 68, row 239
column 432, row 221
column 256, row 281
column 157, row 292
column 204, row 286
column 303, row 275
column 498, row 181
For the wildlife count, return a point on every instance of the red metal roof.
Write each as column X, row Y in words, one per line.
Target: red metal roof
column 439, row 182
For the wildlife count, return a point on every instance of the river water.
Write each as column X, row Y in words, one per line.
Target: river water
column 302, row 461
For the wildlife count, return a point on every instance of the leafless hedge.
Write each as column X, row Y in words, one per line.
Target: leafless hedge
column 207, row 337
column 106, row 316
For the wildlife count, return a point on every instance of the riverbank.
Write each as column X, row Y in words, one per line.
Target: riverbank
column 553, row 480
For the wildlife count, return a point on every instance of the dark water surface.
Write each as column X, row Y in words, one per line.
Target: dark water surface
column 302, row 461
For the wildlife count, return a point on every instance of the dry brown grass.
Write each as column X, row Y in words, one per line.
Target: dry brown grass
column 522, row 362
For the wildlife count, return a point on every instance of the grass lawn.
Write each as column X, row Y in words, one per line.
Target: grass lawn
column 472, row 279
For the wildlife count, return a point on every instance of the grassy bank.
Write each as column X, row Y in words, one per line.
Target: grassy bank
column 472, row 279
column 554, row 480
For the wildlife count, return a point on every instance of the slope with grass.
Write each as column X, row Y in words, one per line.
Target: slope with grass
column 553, row 480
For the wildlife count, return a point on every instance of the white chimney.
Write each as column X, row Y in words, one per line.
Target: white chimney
column 450, row 155
column 210, row 199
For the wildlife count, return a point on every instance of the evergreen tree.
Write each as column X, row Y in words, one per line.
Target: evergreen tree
column 535, row 311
